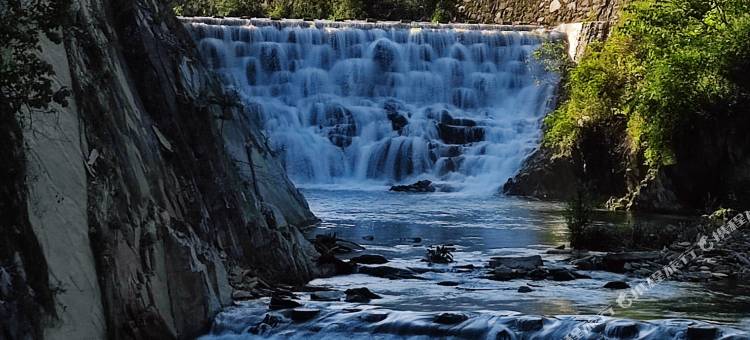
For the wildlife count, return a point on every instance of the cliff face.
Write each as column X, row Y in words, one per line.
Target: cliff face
column 543, row 12
column 131, row 211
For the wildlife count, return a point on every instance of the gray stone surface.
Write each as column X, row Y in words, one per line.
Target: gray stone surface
column 151, row 186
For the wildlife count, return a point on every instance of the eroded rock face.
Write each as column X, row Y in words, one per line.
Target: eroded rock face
column 148, row 188
column 547, row 12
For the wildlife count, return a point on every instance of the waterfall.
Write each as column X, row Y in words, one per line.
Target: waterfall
column 386, row 102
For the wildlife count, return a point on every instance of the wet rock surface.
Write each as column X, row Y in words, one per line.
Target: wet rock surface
column 360, row 295
column 450, row 318
column 369, row 259
column 420, row 186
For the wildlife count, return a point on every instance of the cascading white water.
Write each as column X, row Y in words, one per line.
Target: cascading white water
column 386, row 102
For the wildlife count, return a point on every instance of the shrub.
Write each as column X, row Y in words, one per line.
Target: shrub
column 25, row 79
column 440, row 254
column 666, row 65
column 577, row 215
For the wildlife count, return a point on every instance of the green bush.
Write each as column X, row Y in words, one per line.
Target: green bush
column 666, row 63
column 577, row 215
column 25, row 79
column 435, row 10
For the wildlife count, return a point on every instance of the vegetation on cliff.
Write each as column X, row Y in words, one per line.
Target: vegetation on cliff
column 433, row 10
column 25, row 79
column 667, row 66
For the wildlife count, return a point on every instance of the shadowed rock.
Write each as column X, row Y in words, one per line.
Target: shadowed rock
column 304, row 314
column 617, row 285
column 527, row 263
column 369, row 259
column 450, row 318
column 420, row 186
column 360, row 295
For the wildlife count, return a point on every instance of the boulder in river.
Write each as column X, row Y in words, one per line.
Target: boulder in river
column 503, row 273
column 617, row 285
column 420, row 186
column 615, row 262
column 326, row 296
column 387, row 272
column 280, row 302
column 450, row 318
column 304, row 314
column 526, row 263
column 561, row 274
column 448, row 283
column 701, row 332
column 369, row 259
column 360, row 295
column 621, row 329
column 374, row 317
column 525, row 289
column 529, row 323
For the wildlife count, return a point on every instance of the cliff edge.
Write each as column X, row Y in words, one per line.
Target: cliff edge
column 131, row 212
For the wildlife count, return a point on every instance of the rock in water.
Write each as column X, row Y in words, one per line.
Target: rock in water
column 703, row 332
column 617, row 285
column 529, row 323
column 450, row 318
column 615, row 262
column 369, row 259
column 527, row 263
column 278, row 302
column 621, row 329
column 326, row 296
column 304, row 314
column 374, row 317
column 448, row 283
column 360, row 295
column 525, row 289
column 387, row 272
column 421, row 186
column 562, row 275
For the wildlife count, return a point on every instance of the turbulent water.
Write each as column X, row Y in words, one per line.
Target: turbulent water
column 387, row 224
column 385, row 103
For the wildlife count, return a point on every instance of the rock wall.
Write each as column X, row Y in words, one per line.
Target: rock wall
column 543, row 12
column 131, row 212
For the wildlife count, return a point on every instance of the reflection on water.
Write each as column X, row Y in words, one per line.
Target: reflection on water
column 480, row 227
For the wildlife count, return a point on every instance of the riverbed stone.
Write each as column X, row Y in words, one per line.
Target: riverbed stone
column 503, row 273
column 280, row 302
column 615, row 262
column 448, row 283
column 525, row 289
column 326, row 296
column 419, row 186
column 391, row 273
column 360, row 295
column 369, row 259
column 621, row 329
column 561, row 274
column 527, row 263
column 702, row 332
column 529, row 323
column 617, row 285
column 450, row 318
column 304, row 314
column 374, row 317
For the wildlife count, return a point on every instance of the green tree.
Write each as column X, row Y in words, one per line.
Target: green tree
column 25, row 79
column 666, row 64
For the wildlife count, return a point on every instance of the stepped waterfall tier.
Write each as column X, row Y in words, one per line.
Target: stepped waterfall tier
column 383, row 103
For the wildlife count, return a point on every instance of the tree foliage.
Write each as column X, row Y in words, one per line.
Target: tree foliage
column 25, row 79
column 666, row 64
column 435, row 10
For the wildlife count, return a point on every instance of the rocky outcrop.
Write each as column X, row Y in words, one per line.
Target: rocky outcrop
column 544, row 176
column 546, row 12
column 130, row 207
